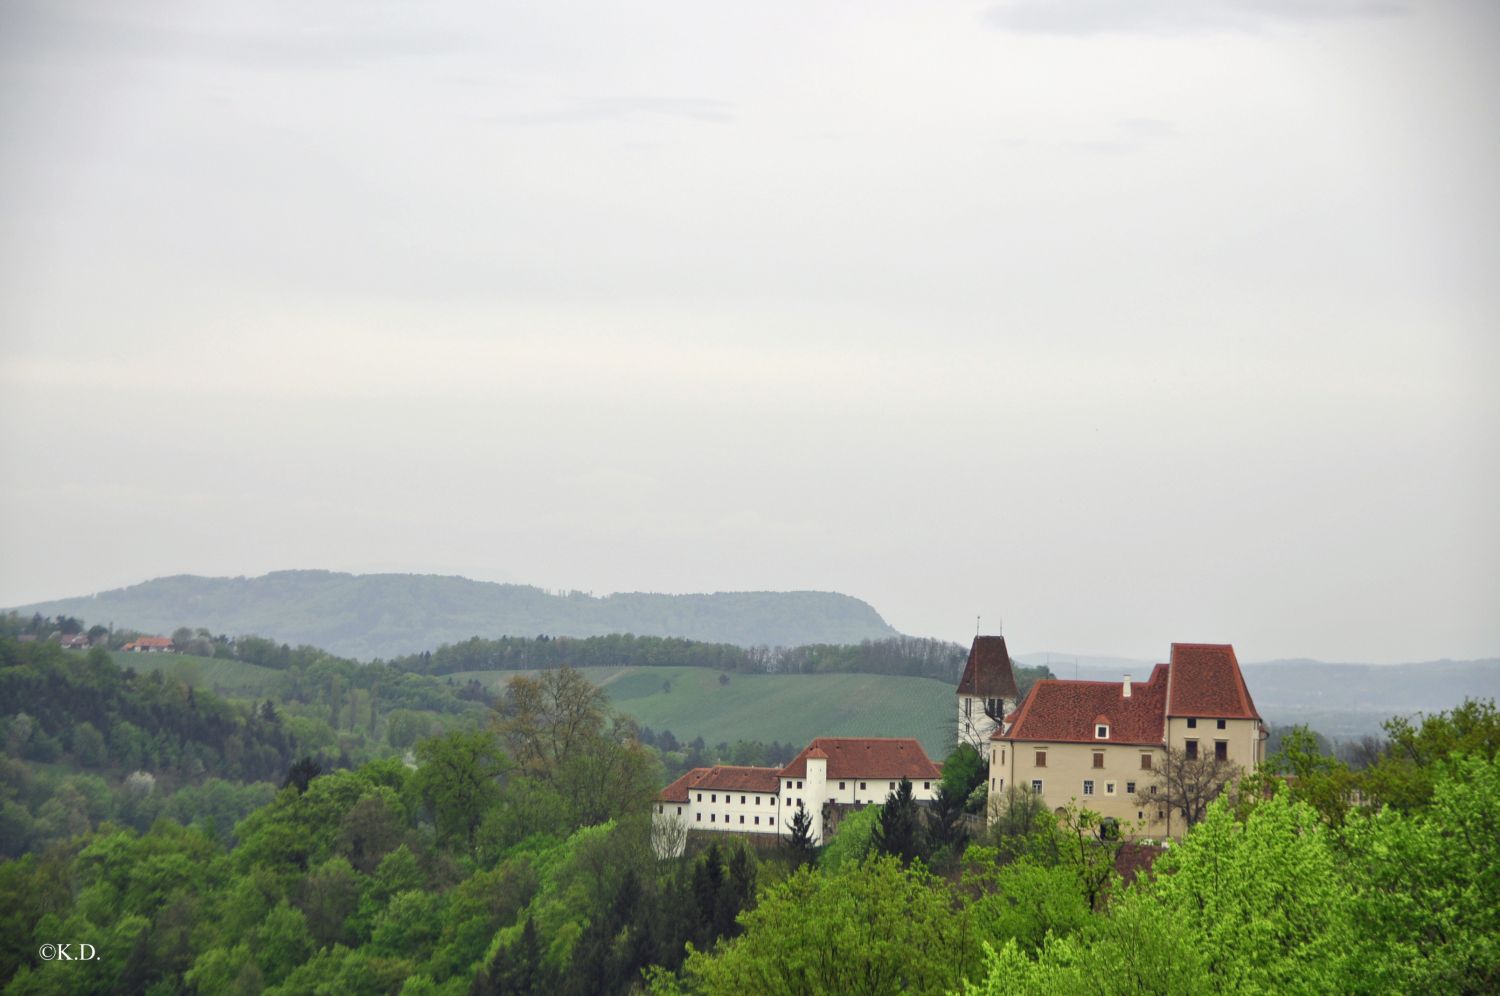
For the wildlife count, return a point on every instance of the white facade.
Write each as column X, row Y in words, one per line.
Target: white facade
column 764, row 800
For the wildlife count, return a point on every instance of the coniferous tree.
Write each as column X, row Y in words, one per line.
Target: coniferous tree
column 900, row 832
column 801, row 840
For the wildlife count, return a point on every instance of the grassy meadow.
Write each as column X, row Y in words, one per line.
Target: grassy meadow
column 792, row 708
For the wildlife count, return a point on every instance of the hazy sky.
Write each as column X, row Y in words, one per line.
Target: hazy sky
column 1128, row 321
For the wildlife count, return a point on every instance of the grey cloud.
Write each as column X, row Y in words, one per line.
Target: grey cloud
column 1171, row 17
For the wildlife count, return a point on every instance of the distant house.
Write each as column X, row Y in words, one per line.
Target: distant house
column 1102, row 742
column 149, row 645
column 987, row 692
column 78, row 641
column 830, row 772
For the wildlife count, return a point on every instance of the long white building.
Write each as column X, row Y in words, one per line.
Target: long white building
column 830, row 771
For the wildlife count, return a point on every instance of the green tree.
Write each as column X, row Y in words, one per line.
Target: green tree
column 800, row 838
column 875, row 928
column 457, row 780
column 899, row 831
column 1427, row 886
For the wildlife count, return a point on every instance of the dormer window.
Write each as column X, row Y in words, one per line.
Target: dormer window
column 1101, row 731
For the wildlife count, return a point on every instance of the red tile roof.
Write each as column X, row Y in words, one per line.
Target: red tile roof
column 1067, row 711
column 1203, row 679
column 988, row 673
column 1206, row 681
column 722, row 778
column 867, row 757
column 153, row 641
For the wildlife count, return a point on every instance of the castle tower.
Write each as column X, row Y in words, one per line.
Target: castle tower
column 817, row 790
column 987, row 693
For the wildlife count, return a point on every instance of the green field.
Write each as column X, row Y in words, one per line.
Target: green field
column 235, row 679
column 792, row 708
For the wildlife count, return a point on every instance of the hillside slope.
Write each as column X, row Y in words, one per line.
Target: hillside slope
column 384, row 615
column 791, row 708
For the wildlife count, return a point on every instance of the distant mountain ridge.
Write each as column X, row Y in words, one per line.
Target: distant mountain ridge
column 386, row 615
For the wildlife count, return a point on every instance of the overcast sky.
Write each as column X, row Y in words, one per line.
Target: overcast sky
column 1124, row 321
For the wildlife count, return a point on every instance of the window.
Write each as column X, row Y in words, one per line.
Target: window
column 788, row 800
column 1145, row 762
column 1101, row 732
column 927, row 785
column 1109, row 788
column 1098, row 758
column 1041, row 759
column 712, row 818
column 1002, row 755
column 742, row 819
column 1002, row 784
column 1192, row 724
column 679, row 810
column 968, row 708
column 799, row 802
column 661, row 809
column 992, row 785
column 742, row 800
column 1036, row 786
column 700, row 796
column 1140, row 814
column 1153, row 790
column 1192, row 749
column 788, row 783
column 757, row 821
column 700, row 817
column 1130, row 788
column 1221, row 750
column 1088, row 786
column 799, row 783
column 713, row 798
column 1161, row 814
column 992, row 707
column 841, row 786
column 1220, row 724
column 861, row 785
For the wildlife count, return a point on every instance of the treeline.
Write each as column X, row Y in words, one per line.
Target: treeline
column 900, row 655
column 678, row 758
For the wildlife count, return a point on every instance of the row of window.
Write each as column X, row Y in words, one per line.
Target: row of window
column 754, row 800
column 1221, row 749
column 1193, row 724
column 1088, row 787
column 1221, row 752
column 713, row 818
column 1041, row 759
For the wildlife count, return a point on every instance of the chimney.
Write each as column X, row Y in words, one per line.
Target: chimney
column 1126, row 691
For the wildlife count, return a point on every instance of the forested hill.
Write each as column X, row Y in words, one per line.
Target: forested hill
column 387, row 615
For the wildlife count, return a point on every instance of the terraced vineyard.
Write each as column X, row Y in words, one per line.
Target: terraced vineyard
column 793, row 708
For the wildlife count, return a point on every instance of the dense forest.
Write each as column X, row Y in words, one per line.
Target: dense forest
column 901, row 655
column 370, row 830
